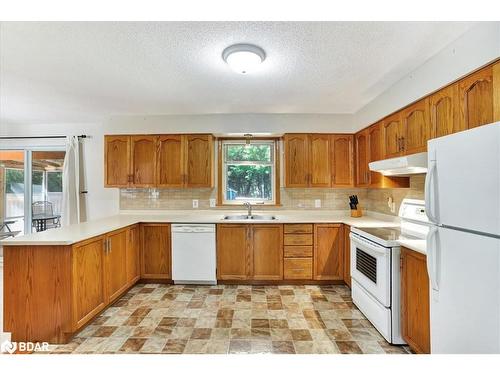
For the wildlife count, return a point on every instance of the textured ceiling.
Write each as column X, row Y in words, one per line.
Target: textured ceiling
column 59, row 72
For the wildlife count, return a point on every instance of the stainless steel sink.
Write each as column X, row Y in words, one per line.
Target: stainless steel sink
column 252, row 217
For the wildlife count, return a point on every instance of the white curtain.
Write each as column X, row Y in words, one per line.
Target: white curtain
column 71, row 183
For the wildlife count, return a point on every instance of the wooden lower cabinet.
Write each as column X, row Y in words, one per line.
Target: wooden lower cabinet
column 115, row 264
column 298, row 268
column 233, row 252
column 347, row 255
column 249, row 252
column 415, row 310
column 89, row 291
column 156, row 254
column 133, row 254
column 267, row 251
column 328, row 252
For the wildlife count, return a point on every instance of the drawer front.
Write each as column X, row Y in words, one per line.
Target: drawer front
column 298, row 251
column 298, row 239
column 298, row 268
column 298, row 228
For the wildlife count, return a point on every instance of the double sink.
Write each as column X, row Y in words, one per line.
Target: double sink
column 250, row 217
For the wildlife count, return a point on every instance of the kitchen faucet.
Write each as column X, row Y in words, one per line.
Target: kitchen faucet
column 248, row 205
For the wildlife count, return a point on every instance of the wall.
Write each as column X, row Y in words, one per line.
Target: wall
column 477, row 47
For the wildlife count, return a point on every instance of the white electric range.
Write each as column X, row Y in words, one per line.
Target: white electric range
column 375, row 268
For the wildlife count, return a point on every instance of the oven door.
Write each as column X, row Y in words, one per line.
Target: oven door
column 371, row 268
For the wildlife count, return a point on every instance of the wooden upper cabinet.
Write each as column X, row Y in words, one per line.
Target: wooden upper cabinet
column 476, row 98
column 143, row 160
column 115, row 266
column 170, row 161
column 319, row 160
column 342, row 164
column 392, row 136
column 156, row 251
column 296, row 160
column 444, row 111
column 375, row 147
column 117, row 161
column 328, row 252
column 362, row 172
column 233, row 252
column 416, row 127
column 89, row 294
column 415, row 302
column 199, row 160
column 267, row 251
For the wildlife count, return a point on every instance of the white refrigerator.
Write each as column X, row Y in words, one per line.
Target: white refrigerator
column 462, row 196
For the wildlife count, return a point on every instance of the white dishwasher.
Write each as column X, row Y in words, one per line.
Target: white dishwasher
column 193, row 254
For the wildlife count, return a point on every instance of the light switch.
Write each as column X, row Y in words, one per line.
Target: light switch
column 212, row 202
column 317, row 203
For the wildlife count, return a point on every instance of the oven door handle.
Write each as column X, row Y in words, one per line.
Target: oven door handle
column 369, row 244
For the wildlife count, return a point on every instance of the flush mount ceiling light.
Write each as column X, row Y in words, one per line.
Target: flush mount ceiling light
column 243, row 58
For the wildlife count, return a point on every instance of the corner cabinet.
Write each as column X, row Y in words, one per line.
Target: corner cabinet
column 415, row 303
column 249, row 252
column 156, row 258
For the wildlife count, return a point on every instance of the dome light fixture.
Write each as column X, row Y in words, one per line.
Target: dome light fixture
column 243, row 58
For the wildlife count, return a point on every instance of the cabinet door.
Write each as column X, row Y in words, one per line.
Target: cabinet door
column 156, row 251
column 88, row 280
column 199, row 160
column 347, row 255
column 117, row 161
column 415, row 312
column 133, row 254
column 444, row 111
column 416, row 127
column 362, row 172
column 375, row 153
column 342, row 160
column 170, row 161
column 392, row 136
column 319, row 162
column 233, row 252
column 267, row 252
column 296, row 160
column 476, row 98
column 143, row 159
column 328, row 252
column 115, row 270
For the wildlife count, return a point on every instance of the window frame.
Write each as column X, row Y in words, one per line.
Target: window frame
column 222, row 167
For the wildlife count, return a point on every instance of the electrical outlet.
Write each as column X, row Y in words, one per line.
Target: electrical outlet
column 212, row 202
column 195, row 203
column 317, row 203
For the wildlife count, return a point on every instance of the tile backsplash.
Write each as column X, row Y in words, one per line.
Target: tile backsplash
column 331, row 199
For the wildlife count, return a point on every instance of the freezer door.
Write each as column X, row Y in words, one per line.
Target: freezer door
column 463, row 180
column 465, row 308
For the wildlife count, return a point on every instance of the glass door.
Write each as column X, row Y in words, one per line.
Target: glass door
column 46, row 189
column 12, row 193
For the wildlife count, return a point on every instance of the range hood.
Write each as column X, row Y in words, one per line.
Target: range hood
column 401, row 166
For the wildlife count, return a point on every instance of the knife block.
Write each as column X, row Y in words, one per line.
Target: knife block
column 357, row 212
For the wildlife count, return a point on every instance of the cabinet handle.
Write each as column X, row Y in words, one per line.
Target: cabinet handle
column 109, row 245
column 105, row 246
column 402, row 143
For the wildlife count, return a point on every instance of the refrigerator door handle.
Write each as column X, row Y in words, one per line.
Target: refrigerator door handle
column 431, row 258
column 428, row 194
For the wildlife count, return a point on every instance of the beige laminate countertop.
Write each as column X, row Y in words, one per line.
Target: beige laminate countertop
column 79, row 232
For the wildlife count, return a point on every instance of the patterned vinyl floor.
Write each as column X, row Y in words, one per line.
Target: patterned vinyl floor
column 155, row 318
